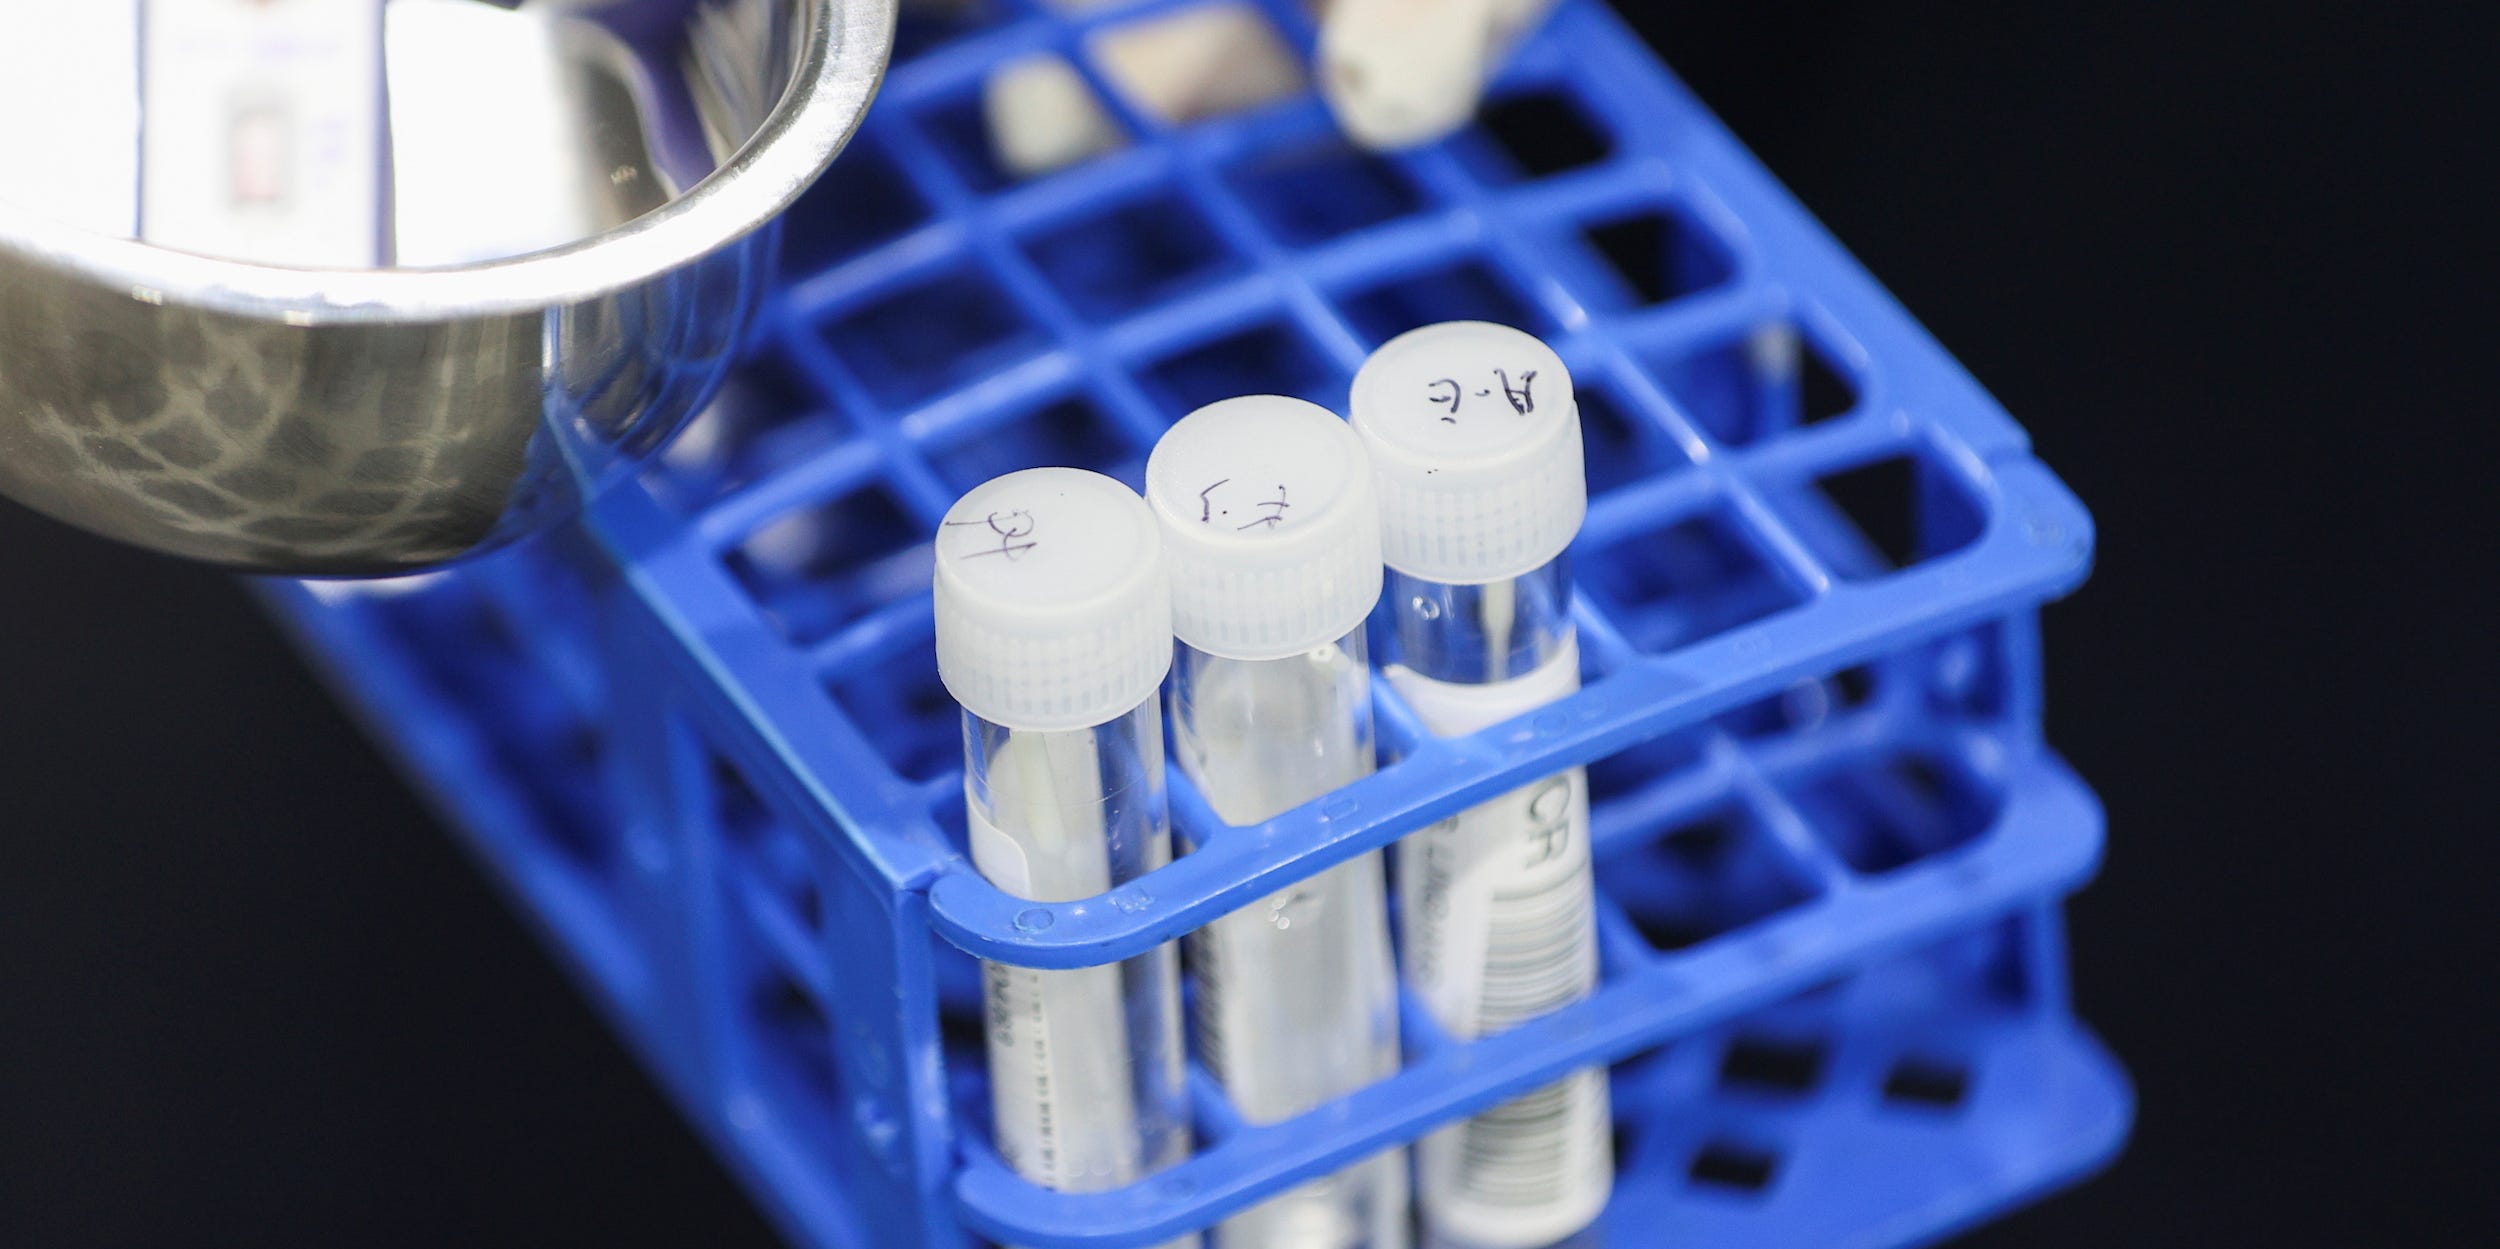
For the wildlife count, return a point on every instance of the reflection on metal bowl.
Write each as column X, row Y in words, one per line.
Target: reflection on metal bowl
column 579, row 196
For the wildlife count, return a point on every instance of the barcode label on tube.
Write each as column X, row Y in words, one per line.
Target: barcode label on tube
column 1059, row 1085
column 1541, row 952
column 1062, row 1106
column 1531, row 1154
column 1207, row 975
column 1499, row 910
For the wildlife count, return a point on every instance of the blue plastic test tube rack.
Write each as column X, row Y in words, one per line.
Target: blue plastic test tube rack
column 701, row 739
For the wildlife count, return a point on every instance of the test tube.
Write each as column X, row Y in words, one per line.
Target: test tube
column 1475, row 446
column 1274, row 539
column 1054, row 633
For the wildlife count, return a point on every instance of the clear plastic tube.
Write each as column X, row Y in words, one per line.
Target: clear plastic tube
column 1297, row 993
column 1085, row 1064
column 1497, row 907
column 1477, row 634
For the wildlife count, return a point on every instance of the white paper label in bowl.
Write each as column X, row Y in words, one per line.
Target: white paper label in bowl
column 264, row 133
column 69, row 111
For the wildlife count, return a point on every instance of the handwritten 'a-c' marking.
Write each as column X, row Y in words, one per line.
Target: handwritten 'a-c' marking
column 1521, row 395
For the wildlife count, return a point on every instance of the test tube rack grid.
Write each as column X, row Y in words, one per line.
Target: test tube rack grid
column 700, row 738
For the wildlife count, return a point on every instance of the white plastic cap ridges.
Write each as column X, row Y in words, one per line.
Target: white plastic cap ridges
column 1053, row 608
column 1475, row 445
column 1270, row 525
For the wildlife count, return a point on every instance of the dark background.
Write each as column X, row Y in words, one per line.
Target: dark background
column 2218, row 264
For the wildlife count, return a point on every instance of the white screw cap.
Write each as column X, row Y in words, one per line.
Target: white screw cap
column 1053, row 610
column 1475, row 446
column 1269, row 519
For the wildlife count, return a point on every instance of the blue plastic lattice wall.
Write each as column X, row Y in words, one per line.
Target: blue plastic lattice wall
column 701, row 738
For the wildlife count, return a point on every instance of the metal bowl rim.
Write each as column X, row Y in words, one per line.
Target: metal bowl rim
column 843, row 64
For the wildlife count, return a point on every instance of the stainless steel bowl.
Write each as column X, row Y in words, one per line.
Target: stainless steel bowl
column 377, row 421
